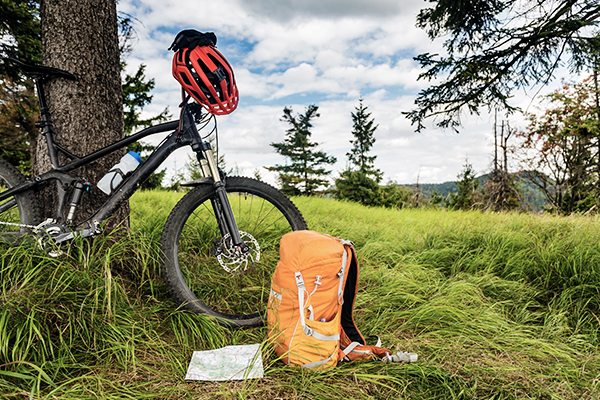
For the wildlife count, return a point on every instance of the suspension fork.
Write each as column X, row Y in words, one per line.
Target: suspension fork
column 220, row 203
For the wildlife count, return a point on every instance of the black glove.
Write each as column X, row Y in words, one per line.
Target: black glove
column 191, row 38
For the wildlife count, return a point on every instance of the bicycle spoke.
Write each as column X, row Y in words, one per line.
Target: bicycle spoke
column 228, row 291
column 220, row 279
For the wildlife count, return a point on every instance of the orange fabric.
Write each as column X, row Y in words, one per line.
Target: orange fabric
column 318, row 258
column 311, row 254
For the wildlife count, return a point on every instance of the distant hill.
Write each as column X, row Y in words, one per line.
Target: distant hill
column 532, row 195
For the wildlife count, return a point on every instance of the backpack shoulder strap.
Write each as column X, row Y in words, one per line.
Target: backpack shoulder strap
column 349, row 328
column 352, row 342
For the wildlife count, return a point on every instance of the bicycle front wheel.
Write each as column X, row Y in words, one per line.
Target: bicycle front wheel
column 202, row 271
column 18, row 213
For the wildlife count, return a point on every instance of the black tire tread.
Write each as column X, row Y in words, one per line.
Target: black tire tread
column 29, row 207
column 176, row 286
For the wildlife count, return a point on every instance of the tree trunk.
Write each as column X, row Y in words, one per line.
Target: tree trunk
column 80, row 36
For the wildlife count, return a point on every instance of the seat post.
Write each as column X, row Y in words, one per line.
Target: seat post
column 45, row 122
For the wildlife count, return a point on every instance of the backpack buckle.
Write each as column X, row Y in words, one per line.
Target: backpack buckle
column 307, row 330
column 299, row 280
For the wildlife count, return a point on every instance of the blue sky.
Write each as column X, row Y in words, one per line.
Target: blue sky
column 325, row 52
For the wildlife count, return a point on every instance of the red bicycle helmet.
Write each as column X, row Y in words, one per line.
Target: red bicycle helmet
column 206, row 75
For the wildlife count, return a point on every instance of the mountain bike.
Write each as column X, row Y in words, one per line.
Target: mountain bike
column 220, row 243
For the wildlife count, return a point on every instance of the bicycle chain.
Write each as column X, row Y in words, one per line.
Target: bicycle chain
column 34, row 227
column 19, row 225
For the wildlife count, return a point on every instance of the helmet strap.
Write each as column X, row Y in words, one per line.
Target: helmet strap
column 184, row 98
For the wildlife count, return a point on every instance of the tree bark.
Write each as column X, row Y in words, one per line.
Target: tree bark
column 81, row 36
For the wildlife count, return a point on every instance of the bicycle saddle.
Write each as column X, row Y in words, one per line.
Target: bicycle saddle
column 38, row 71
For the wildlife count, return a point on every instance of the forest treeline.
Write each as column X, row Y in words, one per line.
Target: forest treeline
column 556, row 158
column 553, row 164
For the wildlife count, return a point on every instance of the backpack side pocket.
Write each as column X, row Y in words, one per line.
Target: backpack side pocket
column 316, row 345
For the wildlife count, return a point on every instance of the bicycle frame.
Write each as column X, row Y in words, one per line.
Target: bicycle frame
column 173, row 141
column 184, row 133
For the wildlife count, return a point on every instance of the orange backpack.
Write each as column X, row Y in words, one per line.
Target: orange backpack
column 311, row 301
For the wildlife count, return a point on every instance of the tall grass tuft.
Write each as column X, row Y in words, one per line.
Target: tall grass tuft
column 498, row 306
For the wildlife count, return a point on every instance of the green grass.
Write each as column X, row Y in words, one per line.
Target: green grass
column 498, row 306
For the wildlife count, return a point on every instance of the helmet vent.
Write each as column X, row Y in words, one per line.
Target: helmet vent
column 206, row 75
column 185, row 79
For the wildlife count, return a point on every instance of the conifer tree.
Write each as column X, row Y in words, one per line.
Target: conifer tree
column 357, row 187
column 468, row 195
column 360, row 181
column 20, row 29
column 305, row 172
column 494, row 47
column 363, row 130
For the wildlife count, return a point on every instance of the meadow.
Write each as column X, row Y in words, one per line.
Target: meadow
column 498, row 306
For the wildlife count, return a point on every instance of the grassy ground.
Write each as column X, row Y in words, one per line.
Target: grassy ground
column 498, row 306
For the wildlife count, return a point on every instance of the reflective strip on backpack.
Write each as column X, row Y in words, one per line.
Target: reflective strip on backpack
column 301, row 287
column 350, row 348
column 319, row 363
column 311, row 332
column 275, row 294
column 341, row 277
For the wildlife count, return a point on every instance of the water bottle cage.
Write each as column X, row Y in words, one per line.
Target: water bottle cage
column 117, row 172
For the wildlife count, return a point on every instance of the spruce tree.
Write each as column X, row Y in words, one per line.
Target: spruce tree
column 20, row 33
column 493, row 48
column 87, row 114
column 357, row 187
column 363, row 130
column 304, row 173
column 360, row 181
column 18, row 103
column 468, row 194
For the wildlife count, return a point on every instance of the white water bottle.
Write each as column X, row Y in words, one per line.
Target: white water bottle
column 111, row 180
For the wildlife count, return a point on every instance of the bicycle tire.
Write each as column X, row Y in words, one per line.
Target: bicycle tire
column 195, row 278
column 24, row 211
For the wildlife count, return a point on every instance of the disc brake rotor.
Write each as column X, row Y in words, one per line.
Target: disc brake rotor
column 233, row 260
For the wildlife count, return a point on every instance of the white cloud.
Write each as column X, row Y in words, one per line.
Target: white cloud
column 299, row 52
column 287, row 10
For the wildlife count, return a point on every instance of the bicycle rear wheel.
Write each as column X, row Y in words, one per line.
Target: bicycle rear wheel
column 19, row 212
column 202, row 271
